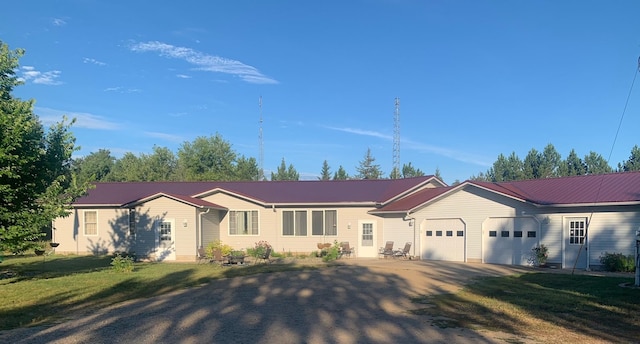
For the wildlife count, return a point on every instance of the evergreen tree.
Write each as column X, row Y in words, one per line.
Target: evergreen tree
column 367, row 168
column 573, row 165
column 284, row 173
column 408, row 171
column 325, row 174
column 341, row 174
column 633, row 163
column 596, row 164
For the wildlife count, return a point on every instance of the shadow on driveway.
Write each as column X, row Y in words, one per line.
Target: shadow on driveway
column 356, row 301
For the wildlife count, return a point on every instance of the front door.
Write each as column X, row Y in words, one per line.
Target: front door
column 166, row 240
column 575, row 243
column 367, row 239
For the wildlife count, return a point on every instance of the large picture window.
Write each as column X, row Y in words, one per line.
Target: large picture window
column 243, row 222
column 90, row 223
column 294, row 222
column 324, row 222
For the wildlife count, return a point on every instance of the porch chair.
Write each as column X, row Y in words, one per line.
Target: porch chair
column 265, row 257
column 404, row 253
column 345, row 249
column 219, row 258
column 202, row 256
column 387, row 251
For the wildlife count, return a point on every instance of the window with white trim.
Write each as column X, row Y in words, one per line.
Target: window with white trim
column 577, row 232
column 243, row 222
column 324, row 222
column 90, row 222
column 294, row 223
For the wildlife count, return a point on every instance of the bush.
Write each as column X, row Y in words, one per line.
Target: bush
column 332, row 252
column 618, row 262
column 539, row 255
column 218, row 245
column 259, row 249
column 120, row 263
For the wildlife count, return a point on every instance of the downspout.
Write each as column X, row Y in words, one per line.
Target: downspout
column 200, row 228
column 412, row 222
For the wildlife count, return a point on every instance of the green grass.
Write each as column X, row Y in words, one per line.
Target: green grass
column 35, row 290
column 543, row 307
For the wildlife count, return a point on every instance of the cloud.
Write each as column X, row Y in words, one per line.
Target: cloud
column 164, row 136
column 29, row 73
column 93, row 61
column 58, row 22
column 183, row 76
column 209, row 63
column 83, row 120
column 408, row 144
column 120, row 89
column 363, row 132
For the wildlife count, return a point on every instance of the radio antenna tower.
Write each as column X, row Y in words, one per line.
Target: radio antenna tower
column 261, row 162
column 396, row 141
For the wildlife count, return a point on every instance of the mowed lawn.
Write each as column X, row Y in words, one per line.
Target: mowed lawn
column 543, row 307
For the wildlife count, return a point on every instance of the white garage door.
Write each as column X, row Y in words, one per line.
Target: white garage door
column 509, row 240
column 443, row 239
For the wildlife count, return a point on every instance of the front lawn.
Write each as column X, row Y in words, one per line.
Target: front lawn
column 36, row 290
column 543, row 307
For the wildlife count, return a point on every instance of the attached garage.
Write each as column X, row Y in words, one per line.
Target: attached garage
column 443, row 239
column 509, row 240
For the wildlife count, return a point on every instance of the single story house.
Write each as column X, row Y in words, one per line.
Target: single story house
column 577, row 218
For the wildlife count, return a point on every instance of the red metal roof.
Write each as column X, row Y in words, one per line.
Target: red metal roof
column 586, row 190
column 268, row 192
column 621, row 187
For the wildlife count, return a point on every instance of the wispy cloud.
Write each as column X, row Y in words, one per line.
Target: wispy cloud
column 58, row 22
column 363, row 132
column 164, row 136
column 120, row 89
column 29, row 73
column 183, row 76
column 408, row 144
column 83, row 119
column 93, row 61
column 205, row 62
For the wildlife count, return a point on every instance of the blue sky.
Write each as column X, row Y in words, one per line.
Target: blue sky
column 475, row 78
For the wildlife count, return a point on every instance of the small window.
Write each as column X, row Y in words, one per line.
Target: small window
column 504, row 234
column 517, row 234
column 90, row 223
column 531, row 234
column 438, row 233
column 429, row 233
column 450, row 233
column 493, row 233
column 132, row 222
column 460, row 233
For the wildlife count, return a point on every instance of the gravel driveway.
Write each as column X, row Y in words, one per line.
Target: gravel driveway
column 357, row 301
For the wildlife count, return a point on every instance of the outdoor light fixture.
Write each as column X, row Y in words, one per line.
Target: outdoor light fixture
column 184, row 223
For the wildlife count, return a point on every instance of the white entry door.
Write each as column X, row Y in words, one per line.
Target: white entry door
column 367, row 239
column 166, row 239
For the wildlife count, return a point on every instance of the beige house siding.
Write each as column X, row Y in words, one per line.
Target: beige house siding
column 112, row 232
column 400, row 231
column 210, row 226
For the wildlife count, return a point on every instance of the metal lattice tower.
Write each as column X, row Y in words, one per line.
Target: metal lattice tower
column 396, row 138
column 261, row 162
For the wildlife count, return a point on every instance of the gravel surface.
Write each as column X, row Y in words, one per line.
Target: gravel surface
column 357, row 301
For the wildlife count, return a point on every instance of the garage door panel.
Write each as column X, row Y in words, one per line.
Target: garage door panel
column 443, row 239
column 509, row 240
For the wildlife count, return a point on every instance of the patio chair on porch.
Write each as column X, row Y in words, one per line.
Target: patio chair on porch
column 387, row 250
column 219, row 258
column 345, row 249
column 404, row 253
column 202, row 256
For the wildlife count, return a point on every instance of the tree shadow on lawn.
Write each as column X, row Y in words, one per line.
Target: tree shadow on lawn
column 585, row 306
column 21, row 268
column 340, row 303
